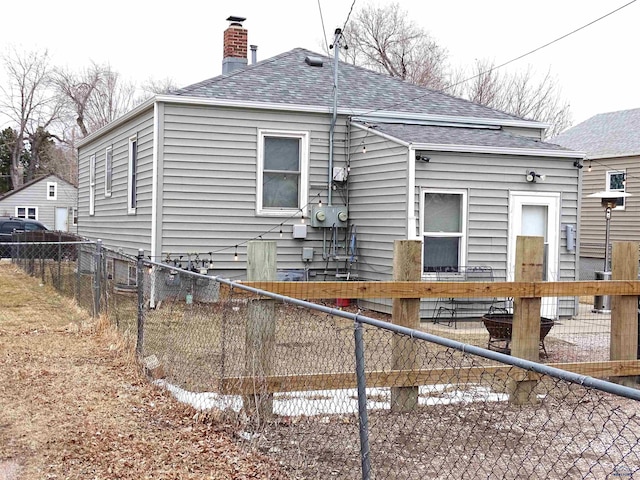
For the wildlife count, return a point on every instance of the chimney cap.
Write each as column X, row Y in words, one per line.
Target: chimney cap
column 236, row 20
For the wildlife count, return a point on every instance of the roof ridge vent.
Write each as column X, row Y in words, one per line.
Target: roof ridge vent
column 314, row 61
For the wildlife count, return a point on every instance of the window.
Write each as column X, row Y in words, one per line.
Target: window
column 616, row 182
column 27, row 212
column 108, row 171
column 133, row 172
column 282, row 172
column 74, row 216
column 444, row 225
column 92, row 185
column 52, row 190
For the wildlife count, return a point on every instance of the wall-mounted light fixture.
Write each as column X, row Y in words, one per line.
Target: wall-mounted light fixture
column 422, row 158
column 533, row 176
column 577, row 164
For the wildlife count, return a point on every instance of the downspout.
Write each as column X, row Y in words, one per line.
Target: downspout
column 334, row 116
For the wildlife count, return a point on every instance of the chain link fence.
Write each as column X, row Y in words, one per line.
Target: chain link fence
column 341, row 392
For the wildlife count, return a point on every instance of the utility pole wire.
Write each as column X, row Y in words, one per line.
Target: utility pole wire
column 324, row 30
column 508, row 62
column 348, row 16
column 541, row 47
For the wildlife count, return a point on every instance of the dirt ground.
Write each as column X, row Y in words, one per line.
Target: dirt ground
column 73, row 405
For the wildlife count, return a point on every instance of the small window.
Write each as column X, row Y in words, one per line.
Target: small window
column 74, row 216
column 282, row 172
column 30, row 213
column 616, row 182
column 444, row 221
column 92, row 185
column 52, row 190
column 108, row 171
column 133, row 174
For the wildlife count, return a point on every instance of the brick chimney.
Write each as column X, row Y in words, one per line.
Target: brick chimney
column 234, row 54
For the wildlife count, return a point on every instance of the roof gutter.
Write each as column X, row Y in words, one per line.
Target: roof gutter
column 529, row 152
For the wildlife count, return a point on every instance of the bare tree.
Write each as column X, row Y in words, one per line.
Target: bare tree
column 519, row 94
column 29, row 102
column 386, row 40
column 158, row 86
column 383, row 38
column 78, row 88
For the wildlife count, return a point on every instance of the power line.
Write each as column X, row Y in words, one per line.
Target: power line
column 509, row 61
column 562, row 37
column 348, row 16
column 324, row 30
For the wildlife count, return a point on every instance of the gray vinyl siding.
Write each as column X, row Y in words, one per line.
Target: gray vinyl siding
column 35, row 195
column 377, row 201
column 112, row 223
column 625, row 224
column 209, row 180
column 488, row 179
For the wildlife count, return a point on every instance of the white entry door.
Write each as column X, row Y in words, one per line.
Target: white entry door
column 537, row 214
column 62, row 219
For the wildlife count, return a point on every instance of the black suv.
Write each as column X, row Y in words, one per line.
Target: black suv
column 9, row 225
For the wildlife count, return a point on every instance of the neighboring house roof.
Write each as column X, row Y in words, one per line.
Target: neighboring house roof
column 288, row 80
column 477, row 137
column 612, row 134
column 32, row 182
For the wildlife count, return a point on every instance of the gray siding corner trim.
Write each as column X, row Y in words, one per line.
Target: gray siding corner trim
column 154, row 182
column 527, row 152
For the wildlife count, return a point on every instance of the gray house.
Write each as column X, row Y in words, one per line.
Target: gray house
column 50, row 200
column 612, row 145
column 257, row 153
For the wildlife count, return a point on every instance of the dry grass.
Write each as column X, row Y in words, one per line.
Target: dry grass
column 74, row 405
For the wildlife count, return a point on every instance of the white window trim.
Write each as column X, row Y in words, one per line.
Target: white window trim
column 55, row 190
column 608, row 183
column 92, row 185
column 303, row 194
column 131, row 209
column 462, row 234
column 26, row 211
column 108, row 173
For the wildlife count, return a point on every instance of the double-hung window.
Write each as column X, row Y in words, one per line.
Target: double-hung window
column 27, row 212
column 108, row 170
column 92, row 185
column 444, row 229
column 52, row 190
column 133, row 174
column 616, row 182
column 283, row 159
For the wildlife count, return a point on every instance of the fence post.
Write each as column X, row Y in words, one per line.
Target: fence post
column 59, row 282
column 406, row 312
column 261, row 328
column 97, row 275
column 140, row 286
column 525, row 336
column 365, row 459
column 624, row 309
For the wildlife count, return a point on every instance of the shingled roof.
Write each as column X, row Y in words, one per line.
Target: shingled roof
column 287, row 79
column 474, row 137
column 612, row 134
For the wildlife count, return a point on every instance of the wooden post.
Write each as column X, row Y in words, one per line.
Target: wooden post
column 407, row 260
column 261, row 329
column 525, row 333
column 624, row 309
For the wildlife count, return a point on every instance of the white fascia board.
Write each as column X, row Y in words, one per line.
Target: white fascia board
column 118, row 121
column 612, row 155
column 451, row 119
column 380, row 134
column 527, row 152
column 154, row 181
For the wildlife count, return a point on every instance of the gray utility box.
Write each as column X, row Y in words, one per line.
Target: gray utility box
column 329, row 216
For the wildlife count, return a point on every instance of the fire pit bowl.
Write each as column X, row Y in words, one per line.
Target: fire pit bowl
column 500, row 325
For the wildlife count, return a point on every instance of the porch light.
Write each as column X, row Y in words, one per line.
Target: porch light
column 532, row 176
